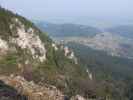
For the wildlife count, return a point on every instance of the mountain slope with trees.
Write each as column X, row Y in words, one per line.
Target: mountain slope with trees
column 27, row 52
column 114, row 72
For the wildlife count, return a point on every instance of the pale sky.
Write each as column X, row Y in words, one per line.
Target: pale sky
column 71, row 9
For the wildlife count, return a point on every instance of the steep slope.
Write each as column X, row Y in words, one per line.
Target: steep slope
column 19, row 39
column 27, row 52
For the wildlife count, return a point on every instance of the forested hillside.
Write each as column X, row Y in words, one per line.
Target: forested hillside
column 116, row 72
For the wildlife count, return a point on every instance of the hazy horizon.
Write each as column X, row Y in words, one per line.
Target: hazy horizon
column 76, row 11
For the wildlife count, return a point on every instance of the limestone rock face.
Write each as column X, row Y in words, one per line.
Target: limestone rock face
column 27, row 39
column 3, row 46
column 70, row 54
column 78, row 97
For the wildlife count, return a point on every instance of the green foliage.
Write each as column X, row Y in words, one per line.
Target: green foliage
column 8, row 64
column 4, row 22
column 61, row 72
column 109, row 65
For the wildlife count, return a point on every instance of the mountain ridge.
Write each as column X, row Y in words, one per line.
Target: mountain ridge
column 67, row 29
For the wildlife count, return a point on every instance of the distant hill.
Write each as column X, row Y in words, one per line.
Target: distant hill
column 117, row 41
column 123, row 30
column 66, row 30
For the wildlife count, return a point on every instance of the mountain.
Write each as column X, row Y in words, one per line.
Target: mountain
column 67, row 30
column 108, row 57
column 115, row 41
column 29, row 57
column 34, row 67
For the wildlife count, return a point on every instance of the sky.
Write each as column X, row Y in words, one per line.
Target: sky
column 78, row 10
